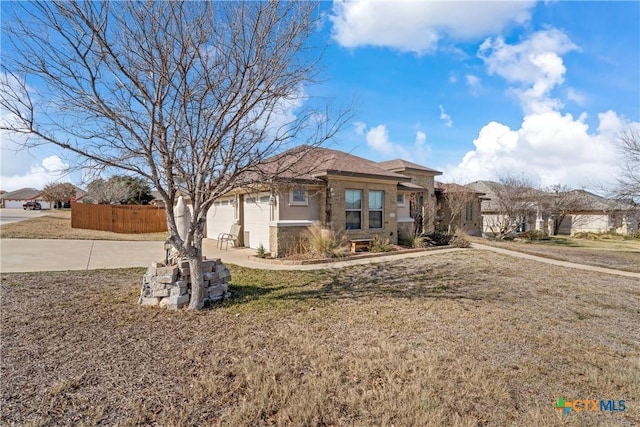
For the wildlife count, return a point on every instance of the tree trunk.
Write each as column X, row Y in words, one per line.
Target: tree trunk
column 195, row 266
column 197, row 283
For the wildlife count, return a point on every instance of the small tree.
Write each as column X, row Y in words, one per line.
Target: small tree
column 139, row 192
column 59, row 195
column 558, row 202
column 628, row 185
column 192, row 96
column 108, row 192
column 513, row 198
column 456, row 199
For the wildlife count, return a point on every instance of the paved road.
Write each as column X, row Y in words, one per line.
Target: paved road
column 7, row 216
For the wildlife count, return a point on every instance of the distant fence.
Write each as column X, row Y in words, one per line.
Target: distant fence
column 118, row 218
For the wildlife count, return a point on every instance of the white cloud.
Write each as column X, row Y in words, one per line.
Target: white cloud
column 549, row 146
column 575, row 96
column 34, row 174
column 474, row 83
column 412, row 26
column 445, row 117
column 378, row 139
column 360, row 127
column 535, row 65
column 421, row 138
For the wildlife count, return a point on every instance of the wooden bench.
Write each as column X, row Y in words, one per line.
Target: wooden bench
column 360, row 244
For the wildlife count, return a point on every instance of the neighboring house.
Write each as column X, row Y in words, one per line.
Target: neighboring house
column 15, row 199
column 599, row 214
column 347, row 193
column 585, row 212
column 469, row 217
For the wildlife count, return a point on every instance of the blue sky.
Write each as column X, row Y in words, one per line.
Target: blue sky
column 477, row 90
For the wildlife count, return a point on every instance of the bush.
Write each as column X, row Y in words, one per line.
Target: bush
column 325, row 243
column 381, row 245
column 533, row 235
column 418, row 242
column 590, row 235
column 460, row 240
column 405, row 240
column 261, row 252
column 436, row 239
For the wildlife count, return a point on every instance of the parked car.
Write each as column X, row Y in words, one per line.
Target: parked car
column 32, row 206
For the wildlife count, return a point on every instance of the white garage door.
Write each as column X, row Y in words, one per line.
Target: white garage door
column 14, row 204
column 220, row 217
column 257, row 215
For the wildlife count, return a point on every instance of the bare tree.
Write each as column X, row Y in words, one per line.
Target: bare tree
column 112, row 191
column 558, row 202
column 456, row 199
column 513, row 199
column 59, row 193
column 191, row 96
column 628, row 185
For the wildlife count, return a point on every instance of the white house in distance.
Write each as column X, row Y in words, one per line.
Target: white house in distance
column 15, row 199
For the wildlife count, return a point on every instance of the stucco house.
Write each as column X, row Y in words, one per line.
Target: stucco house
column 15, row 199
column 469, row 219
column 347, row 193
column 587, row 212
column 599, row 214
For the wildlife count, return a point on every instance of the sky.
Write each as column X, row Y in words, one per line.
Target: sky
column 477, row 89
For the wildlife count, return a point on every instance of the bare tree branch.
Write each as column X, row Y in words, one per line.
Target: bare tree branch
column 187, row 95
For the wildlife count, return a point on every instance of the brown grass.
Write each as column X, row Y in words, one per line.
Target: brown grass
column 469, row 338
column 57, row 225
column 615, row 253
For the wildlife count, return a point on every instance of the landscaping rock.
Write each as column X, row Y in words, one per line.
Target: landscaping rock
column 170, row 286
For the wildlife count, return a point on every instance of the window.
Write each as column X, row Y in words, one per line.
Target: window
column 401, row 199
column 298, row 197
column 468, row 215
column 353, row 206
column 375, row 209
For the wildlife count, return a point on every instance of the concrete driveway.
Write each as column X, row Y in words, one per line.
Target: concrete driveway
column 7, row 216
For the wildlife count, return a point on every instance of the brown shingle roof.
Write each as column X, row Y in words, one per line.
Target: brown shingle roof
column 310, row 163
column 397, row 165
column 22, row 194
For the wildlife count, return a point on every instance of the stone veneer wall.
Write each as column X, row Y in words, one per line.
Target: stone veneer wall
column 337, row 220
column 170, row 286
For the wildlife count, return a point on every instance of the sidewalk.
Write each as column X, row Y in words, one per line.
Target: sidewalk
column 27, row 255
column 555, row 261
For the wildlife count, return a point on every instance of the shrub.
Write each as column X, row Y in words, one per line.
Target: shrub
column 405, row 240
column 261, row 252
column 533, row 235
column 381, row 245
column 418, row 242
column 436, row 239
column 460, row 240
column 324, row 242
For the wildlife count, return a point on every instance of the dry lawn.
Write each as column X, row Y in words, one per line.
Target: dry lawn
column 618, row 254
column 469, row 338
column 57, row 225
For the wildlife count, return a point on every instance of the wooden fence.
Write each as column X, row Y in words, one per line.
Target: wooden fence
column 118, row 218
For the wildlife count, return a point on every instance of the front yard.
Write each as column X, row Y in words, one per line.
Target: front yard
column 614, row 252
column 469, row 338
column 57, row 225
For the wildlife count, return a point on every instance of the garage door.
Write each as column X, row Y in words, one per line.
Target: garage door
column 220, row 217
column 14, row 204
column 257, row 215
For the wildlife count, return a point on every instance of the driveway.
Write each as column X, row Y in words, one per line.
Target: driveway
column 7, row 216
